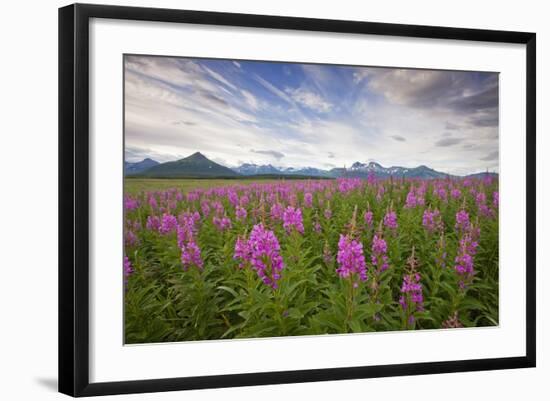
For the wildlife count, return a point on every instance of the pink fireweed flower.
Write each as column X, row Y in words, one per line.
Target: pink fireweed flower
column 276, row 211
column 368, row 217
column 168, row 224
column 242, row 252
column 464, row 261
column 193, row 196
column 441, row 193
column 184, row 234
column 292, row 199
column 390, row 220
column 327, row 212
column 411, row 200
column 380, row 193
column 292, row 219
column 495, row 199
column 455, row 193
column 317, row 227
column 153, row 202
column 218, row 207
column 441, row 255
column 265, row 256
column 240, row 213
column 223, row 223
column 481, row 198
column 484, row 210
column 411, row 299
column 205, row 208
column 482, row 206
column 233, row 198
column 462, row 221
column 128, row 269
column 130, row 239
column 191, row 255
column 350, row 258
column 186, row 227
column 153, row 223
column 130, row 203
column 346, row 185
column 308, row 199
column 487, row 179
column 379, row 259
column 431, row 220
column 244, row 201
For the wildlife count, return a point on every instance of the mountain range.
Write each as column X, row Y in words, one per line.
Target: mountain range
column 199, row 166
column 139, row 167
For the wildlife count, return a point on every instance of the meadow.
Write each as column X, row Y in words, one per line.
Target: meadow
column 221, row 259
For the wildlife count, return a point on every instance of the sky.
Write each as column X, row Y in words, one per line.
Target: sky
column 310, row 115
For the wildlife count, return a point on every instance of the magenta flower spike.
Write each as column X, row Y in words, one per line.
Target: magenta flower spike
column 128, row 269
column 390, row 220
column 242, row 252
column 379, row 257
column 191, row 255
column 462, row 221
column 351, row 260
column 265, row 256
column 464, row 261
column 240, row 213
column 411, row 199
column 276, row 211
column 168, row 224
column 411, row 298
column 368, row 217
column 222, row 223
column 431, row 220
column 308, row 199
column 292, row 220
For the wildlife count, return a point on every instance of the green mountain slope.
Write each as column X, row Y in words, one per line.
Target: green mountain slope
column 195, row 166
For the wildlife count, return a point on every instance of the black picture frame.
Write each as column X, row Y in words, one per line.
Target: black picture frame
column 74, row 198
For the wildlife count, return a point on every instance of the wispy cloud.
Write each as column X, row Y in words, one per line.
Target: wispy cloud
column 272, row 153
column 309, row 99
column 448, row 142
column 276, row 91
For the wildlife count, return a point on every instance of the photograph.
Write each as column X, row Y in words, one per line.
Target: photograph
column 279, row 199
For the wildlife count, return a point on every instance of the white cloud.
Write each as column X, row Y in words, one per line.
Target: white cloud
column 276, row 91
column 309, row 99
column 218, row 77
column 250, row 99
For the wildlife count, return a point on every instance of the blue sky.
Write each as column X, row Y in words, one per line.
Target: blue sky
column 298, row 115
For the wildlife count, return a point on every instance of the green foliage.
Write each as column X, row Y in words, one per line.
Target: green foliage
column 164, row 302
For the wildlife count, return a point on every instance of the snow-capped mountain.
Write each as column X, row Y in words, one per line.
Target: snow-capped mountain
column 307, row 171
column 255, row 169
column 357, row 169
column 370, row 167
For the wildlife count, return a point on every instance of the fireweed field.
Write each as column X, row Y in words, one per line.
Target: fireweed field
column 287, row 258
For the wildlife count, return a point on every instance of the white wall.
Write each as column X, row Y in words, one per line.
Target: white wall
column 28, row 200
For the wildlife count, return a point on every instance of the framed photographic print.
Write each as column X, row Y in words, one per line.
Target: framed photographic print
column 249, row 199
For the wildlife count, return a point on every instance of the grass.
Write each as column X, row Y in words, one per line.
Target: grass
column 133, row 186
